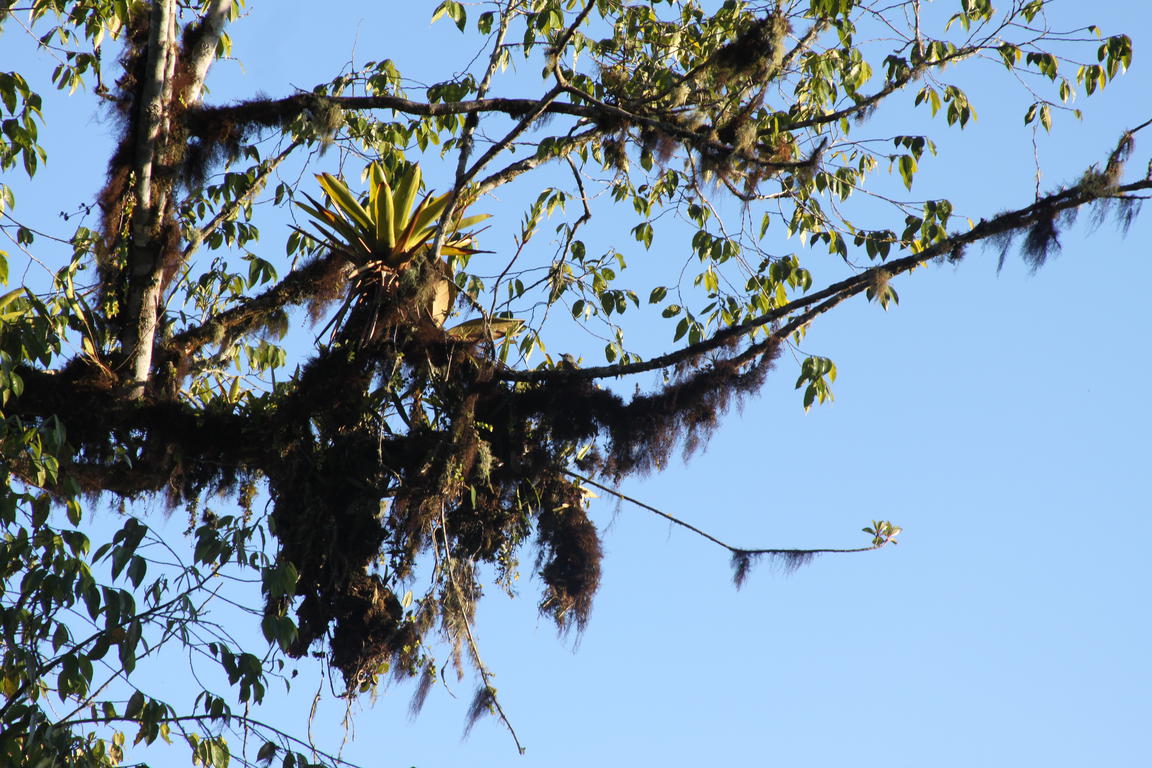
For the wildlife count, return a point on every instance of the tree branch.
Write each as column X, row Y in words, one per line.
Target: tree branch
column 261, row 111
column 561, row 149
column 1046, row 207
column 487, row 695
column 47, row 666
column 473, row 120
column 742, row 558
column 230, row 210
column 203, row 53
column 462, row 180
column 248, row 722
column 296, row 288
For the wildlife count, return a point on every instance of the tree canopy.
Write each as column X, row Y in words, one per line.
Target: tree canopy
column 308, row 304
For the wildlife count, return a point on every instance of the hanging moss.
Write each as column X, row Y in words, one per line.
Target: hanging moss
column 570, row 554
column 1042, row 240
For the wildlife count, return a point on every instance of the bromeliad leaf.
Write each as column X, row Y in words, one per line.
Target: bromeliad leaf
column 343, row 198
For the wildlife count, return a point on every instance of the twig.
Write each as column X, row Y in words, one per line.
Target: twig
column 47, row 666
column 473, row 120
column 743, row 551
column 231, row 208
column 484, row 674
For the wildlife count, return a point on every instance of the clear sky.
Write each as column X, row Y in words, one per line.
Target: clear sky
column 1001, row 418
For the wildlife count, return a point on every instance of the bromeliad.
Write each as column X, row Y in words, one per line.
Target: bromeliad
column 386, row 233
column 384, row 236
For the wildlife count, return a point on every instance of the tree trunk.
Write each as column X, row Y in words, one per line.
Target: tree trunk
column 160, row 145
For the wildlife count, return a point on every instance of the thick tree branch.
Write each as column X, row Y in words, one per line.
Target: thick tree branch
column 160, row 441
column 298, row 287
column 203, row 53
column 261, row 111
column 152, row 233
column 1011, row 221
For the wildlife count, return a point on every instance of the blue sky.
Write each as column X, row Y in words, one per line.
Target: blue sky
column 1000, row 417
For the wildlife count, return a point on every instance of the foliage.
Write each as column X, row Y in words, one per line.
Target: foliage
column 402, row 459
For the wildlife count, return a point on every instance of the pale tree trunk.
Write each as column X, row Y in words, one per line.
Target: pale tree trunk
column 203, row 53
column 153, row 143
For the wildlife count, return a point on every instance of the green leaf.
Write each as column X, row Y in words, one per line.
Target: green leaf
column 479, row 328
column 135, row 705
column 428, row 212
column 137, row 569
column 338, row 224
column 907, row 169
column 267, row 752
column 11, row 296
column 643, row 233
column 454, row 11
column 469, row 221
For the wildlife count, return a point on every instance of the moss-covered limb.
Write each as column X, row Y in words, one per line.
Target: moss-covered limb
column 636, row 435
column 133, row 447
column 200, row 53
column 271, row 112
column 321, row 280
column 225, row 123
column 205, row 122
column 219, row 133
column 1038, row 213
